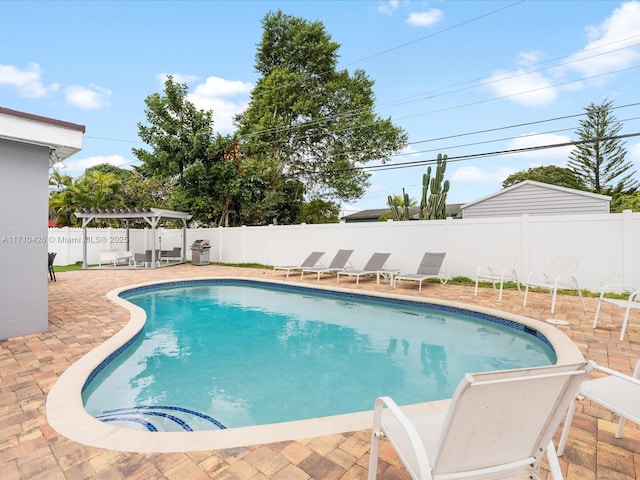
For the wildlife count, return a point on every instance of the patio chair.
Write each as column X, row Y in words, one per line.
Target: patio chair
column 309, row 262
column 503, row 268
column 631, row 302
column 52, row 274
column 562, row 275
column 174, row 255
column 497, row 426
column 617, row 392
column 430, row 267
column 375, row 266
column 338, row 263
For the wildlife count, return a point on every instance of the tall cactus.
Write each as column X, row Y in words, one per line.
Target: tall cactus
column 394, row 206
column 433, row 204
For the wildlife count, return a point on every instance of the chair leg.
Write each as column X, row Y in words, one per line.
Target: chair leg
column 620, row 427
column 552, row 460
column 526, row 292
column 475, row 292
column 567, row 425
column 595, row 319
column 373, row 456
column 624, row 322
column 553, row 300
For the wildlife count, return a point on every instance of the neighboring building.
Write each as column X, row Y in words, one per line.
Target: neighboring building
column 29, row 146
column 453, row 210
column 536, row 198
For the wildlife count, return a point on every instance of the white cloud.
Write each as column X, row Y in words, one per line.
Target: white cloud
column 474, row 175
column 92, row 97
column 388, row 7
column 614, row 38
column 226, row 98
column 177, row 78
column 425, row 19
column 77, row 167
column 27, row 82
column 531, row 89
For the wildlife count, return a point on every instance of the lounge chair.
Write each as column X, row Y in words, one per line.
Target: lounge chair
column 503, row 268
column 562, row 275
column 338, row 263
column 375, row 266
column 617, row 392
column 631, row 302
column 430, row 267
column 498, row 426
column 309, row 262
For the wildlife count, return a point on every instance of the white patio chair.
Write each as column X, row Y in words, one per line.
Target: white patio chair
column 503, row 268
column 375, row 266
column 631, row 302
column 311, row 261
column 562, row 275
column 430, row 267
column 338, row 263
column 617, row 392
column 498, row 426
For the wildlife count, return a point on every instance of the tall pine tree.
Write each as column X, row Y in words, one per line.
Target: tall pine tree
column 599, row 159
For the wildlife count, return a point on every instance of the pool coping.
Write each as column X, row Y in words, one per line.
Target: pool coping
column 66, row 414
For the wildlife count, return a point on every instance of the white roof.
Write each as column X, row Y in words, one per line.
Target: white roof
column 572, row 191
column 62, row 138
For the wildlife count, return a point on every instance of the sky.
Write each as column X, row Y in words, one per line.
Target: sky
column 469, row 79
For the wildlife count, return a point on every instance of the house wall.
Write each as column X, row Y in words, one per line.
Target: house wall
column 535, row 200
column 605, row 242
column 23, row 238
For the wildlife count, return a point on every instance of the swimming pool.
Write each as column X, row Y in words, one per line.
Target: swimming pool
column 86, row 429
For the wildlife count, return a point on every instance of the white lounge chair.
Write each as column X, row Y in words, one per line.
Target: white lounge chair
column 375, row 266
column 430, row 267
column 562, row 275
column 503, row 268
column 617, row 392
column 338, row 263
column 498, row 426
column 631, row 302
column 309, row 262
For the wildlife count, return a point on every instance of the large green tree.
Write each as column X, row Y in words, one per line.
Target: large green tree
column 177, row 132
column 316, row 124
column 598, row 160
column 551, row 174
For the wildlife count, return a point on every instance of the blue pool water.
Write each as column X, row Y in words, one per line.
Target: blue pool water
column 216, row 354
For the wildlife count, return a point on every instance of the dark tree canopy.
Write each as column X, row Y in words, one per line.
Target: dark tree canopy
column 551, row 174
column 315, row 123
column 599, row 159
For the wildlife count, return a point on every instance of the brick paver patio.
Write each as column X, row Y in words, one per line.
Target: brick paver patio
column 80, row 317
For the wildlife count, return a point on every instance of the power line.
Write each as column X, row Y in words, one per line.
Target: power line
column 495, row 153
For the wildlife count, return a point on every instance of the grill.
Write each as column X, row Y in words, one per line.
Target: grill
column 200, row 252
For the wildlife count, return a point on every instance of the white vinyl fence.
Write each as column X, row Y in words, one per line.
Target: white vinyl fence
column 605, row 242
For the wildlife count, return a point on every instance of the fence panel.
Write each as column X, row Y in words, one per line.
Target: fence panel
column 605, row 242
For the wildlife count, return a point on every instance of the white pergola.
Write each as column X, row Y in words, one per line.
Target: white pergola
column 150, row 215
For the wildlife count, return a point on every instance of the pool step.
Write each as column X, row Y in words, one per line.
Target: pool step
column 162, row 418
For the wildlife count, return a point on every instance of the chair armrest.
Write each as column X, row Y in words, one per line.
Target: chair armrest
column 420, row 452
column 631, row 379
column 626, row 288
column 537, row 274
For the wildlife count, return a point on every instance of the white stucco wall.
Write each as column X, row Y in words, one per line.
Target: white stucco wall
column 23, row 238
